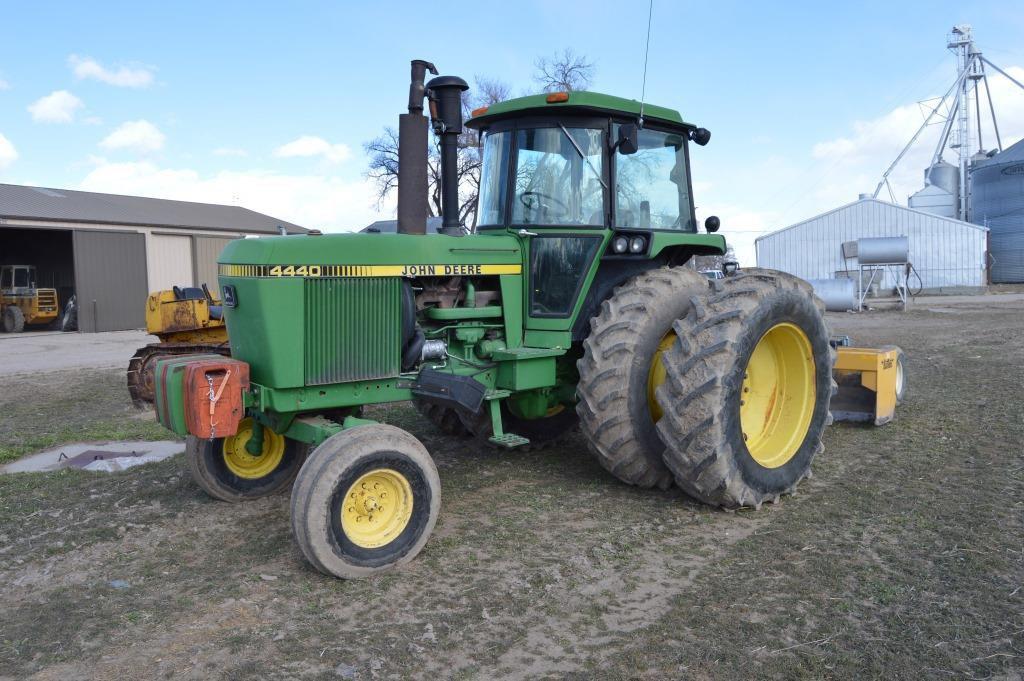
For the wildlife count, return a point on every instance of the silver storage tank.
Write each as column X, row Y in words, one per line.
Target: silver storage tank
column 883, row 250
column 839, row 295
column 998, row 203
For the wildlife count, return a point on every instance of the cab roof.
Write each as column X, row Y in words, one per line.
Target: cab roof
column 582, row 101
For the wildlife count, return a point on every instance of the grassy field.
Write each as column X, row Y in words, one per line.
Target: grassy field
column 903, row 557
column 45, row 410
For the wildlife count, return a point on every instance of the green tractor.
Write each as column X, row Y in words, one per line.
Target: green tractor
column 571, row 305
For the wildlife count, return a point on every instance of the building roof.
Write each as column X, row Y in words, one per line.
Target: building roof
column 64, row 205
column 895, row 206
column 586, row 101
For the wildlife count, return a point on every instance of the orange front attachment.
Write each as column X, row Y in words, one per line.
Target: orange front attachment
column 213, row 396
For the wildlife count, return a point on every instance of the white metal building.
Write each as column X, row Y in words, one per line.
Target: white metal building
column 945, row 252
column 112, row 250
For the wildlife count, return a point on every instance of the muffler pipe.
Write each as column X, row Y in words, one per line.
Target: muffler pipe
column 412, row 155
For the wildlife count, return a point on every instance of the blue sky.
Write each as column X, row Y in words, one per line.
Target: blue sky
column 268, row 104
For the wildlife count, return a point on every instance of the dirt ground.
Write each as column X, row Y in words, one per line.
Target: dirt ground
column 903, row 557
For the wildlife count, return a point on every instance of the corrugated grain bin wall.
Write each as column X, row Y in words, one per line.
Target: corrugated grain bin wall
column 945, row 252
column 998, row 196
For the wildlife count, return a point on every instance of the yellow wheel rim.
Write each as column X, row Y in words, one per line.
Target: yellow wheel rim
column 377, row 508
column 656, row 374
column 243, row 464
column 778, row 395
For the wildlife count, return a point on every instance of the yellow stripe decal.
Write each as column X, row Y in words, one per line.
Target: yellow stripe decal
column 313, row 271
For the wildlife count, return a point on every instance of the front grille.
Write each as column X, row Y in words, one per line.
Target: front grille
column 353, row 329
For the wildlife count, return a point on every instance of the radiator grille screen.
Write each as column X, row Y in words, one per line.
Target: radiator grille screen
column 353, row 329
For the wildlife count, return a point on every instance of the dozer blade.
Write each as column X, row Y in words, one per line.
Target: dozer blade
column 871, row 384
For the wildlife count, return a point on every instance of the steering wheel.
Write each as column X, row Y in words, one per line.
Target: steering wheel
column 529, row 204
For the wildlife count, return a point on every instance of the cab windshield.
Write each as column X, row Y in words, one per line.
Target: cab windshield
column 559, row 176
column 560, row 179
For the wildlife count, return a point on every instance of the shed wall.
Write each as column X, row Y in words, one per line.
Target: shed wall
column 944, row 252
column 207, row 250
column 170, row 261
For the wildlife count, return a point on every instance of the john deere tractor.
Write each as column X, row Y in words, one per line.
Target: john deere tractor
column 22, row 302
column 570, row 305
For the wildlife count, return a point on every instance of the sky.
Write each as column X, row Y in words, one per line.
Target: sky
column 268, row 105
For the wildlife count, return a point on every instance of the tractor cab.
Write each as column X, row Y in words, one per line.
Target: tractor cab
column 17, row 279
column 583, row 160
column 596, row 185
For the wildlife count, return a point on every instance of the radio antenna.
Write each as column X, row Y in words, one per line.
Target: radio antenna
column 647, row 49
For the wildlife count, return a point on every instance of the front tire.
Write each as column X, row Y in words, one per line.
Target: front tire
column 225, row 470
column 14, row 320
column 365, row 501
column 748, row 390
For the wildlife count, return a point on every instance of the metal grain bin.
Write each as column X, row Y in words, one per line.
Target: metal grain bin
column 998, row 203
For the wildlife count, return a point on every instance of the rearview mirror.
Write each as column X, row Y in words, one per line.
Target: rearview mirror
column 712, row 224
column 627, row 142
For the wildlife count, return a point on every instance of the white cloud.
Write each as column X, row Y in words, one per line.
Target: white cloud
column 57, row 107
column 230, row 151
column 141, row 136
column 864, row 155
column 4, row 85
column 324, row 202
column 124, row 76
column 309, row 145
column 8, row 154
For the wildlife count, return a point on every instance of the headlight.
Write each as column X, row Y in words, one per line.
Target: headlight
column 620, row 244
column 637, row 244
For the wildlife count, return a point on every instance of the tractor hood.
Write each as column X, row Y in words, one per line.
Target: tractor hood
column 396, row 250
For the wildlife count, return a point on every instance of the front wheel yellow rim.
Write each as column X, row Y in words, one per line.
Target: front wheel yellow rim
column 778, row 395
column 377, row 508
column 243, row 464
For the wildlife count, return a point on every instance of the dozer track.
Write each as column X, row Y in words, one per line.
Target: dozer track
column 142, row 367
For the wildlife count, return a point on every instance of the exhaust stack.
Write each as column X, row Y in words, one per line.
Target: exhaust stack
column 412, row 155
column 446, row 114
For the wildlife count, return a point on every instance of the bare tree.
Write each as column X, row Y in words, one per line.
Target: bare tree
column 563, row 72
column 560, row 72
column 383, row 153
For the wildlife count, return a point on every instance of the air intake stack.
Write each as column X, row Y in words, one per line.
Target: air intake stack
column 445, row 95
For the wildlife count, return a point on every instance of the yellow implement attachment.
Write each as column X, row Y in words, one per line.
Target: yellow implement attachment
column 871, row 384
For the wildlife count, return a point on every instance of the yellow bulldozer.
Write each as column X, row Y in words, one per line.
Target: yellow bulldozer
column 22, row 303
column 187, row 321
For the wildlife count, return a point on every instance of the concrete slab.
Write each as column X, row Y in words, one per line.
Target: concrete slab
column 41, row 352
column 97, row 456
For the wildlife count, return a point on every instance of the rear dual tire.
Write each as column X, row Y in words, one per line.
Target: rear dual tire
column 747, row 390
column 622, row 361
